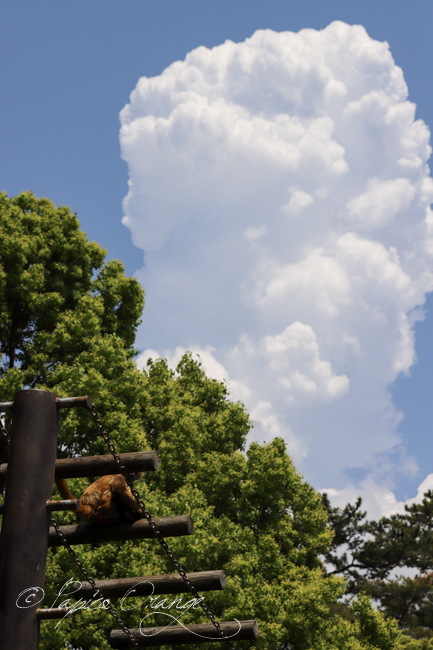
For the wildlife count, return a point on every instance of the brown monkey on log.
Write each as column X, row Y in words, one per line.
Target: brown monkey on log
column 108, row 500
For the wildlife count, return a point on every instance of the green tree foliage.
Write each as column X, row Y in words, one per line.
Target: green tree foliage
column 374, row 550
column 67, row 324
column 408, row 643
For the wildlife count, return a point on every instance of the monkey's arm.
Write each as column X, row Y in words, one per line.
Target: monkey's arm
column 122, row 493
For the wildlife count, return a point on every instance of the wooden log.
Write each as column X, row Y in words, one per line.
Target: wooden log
column 59, row 504
column 153, row 585
column 62, row 402
column 75, row 402
column 97, row 533
column 173, row 635
column 45, row 614
column 55, row 505
column 141, row 461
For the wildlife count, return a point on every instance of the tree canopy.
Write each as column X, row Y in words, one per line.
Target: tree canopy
column 374, row 553
column 67, row 323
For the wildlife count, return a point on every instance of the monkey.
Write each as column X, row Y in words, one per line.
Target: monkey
column 108, row 500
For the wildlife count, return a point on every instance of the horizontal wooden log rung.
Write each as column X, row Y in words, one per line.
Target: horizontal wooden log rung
column 67, row 504
column 75, row 402
column 62, row 402
column 56, row 505
column 198, row 633
column 153, row 585
column 46, row 614
column 97, row 533
column 140, row 461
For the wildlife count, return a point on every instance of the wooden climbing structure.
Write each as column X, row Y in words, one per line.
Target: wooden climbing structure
column 26, row 534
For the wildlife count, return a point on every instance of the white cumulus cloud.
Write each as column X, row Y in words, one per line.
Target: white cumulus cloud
column 380, row 203
column 298, row 201
column 280, row 190
column 294, row 354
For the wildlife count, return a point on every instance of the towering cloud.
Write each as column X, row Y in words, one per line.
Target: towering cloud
column 280, row 190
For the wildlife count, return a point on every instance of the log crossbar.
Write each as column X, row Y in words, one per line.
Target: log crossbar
column 61, row 402
column 96, row 533
column 85, row 466
column 152, row 585
column 45, row 614
column 52, row 506
column 59, row 504
column 174, row 635
column 140, row 461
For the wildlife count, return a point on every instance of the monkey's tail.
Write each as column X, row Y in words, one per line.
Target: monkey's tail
column 65, row 492
column 83, row 510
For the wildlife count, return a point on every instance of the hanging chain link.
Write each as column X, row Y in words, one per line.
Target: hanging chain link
column 155, row 530
column 97, row 592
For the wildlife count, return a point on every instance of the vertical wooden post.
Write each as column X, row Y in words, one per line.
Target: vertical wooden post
column 24, row 536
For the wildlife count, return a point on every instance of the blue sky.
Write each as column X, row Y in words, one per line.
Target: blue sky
column 68, row 70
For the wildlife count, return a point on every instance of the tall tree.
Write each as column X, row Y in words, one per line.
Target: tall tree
column 369, row 553
column 68, row 321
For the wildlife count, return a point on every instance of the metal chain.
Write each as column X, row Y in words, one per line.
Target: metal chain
column 97, row 592
column 154, row 528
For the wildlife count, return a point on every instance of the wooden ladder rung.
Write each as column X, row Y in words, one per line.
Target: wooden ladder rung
column 153, row 585
column 140, row 461
column 140, row 529
column 57, row 504
column 46, row 614
column 197, row 633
